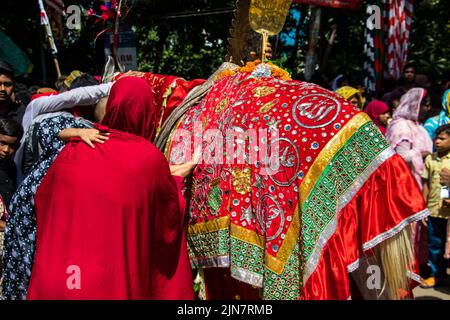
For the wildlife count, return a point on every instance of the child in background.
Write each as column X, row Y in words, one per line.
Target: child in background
column 438, row 202
column 10, row 134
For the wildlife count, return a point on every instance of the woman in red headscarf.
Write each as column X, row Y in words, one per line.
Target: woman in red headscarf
column 379, row 112
column 113, row 227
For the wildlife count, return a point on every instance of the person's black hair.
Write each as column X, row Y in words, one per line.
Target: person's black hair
column 355, row 80
column 84, row 80
column 10, row 127
column 409, row 65
column 396, row 95
column 443, row 129
column 6, row 69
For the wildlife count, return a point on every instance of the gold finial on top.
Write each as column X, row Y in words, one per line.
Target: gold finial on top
column 268, row 18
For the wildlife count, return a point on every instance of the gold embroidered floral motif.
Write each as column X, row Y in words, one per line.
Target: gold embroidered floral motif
column 263, row 91
column 222, row 105
column 267, row 106
column 242, row 180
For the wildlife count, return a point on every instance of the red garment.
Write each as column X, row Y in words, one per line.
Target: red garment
column 130, row 108
column 358, row 225
column 298, row 231
column 45, row 94
column 168, row 93
column 377, row 209
column 114, row 213
column 113, row 223
column 181, row 90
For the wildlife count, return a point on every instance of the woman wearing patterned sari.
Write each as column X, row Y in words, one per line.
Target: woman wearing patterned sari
column 340, row 197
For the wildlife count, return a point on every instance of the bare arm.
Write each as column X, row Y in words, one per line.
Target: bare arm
column 88, row 136
column 447, row 243
column 185, row 169
column 426, row 190
column 445, row 177
column 2, row 225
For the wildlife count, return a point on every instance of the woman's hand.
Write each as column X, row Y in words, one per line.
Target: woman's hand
column 130, row 74
column 185, row 169
column 425, row 222
column 89, row 136
column 182, row 170
column 447, row 249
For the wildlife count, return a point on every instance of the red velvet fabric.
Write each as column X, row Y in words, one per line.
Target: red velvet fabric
column 110, row 216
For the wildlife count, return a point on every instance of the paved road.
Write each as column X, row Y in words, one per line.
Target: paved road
column 440, row 293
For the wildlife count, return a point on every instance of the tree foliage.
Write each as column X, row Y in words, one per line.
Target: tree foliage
column 175, row 37
column 189, row 38
column 430, row 38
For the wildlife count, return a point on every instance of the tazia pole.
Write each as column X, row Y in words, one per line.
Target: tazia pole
column 48, row 31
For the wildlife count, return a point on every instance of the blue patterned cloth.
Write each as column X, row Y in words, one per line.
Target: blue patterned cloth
column 20, row 233
column 433, row 123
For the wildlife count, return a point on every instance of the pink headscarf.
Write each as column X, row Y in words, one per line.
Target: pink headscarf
column 374, row 109
column 406, row 127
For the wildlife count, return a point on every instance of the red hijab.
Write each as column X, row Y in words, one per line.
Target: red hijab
column 374, row 109
column 130, row 108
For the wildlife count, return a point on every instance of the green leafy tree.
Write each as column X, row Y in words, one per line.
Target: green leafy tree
column 189, row 38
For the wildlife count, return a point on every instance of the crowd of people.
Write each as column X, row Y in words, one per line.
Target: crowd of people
column 51, row 182
column 403, row 116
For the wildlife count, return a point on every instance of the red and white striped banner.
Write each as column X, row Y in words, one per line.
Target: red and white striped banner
column 400, row 18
